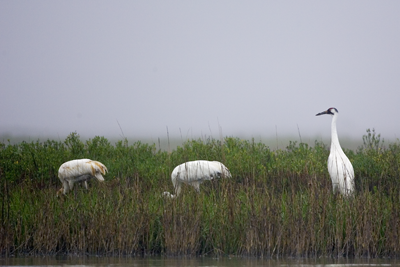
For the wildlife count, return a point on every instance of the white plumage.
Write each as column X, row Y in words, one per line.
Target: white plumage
column 79, row 170
column 339, row 166
column 194, row 173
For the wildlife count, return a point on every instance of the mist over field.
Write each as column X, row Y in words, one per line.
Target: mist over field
column 186, row 70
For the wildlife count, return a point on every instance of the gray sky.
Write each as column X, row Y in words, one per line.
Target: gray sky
column 250, row 68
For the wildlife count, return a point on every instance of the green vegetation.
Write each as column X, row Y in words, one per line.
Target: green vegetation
column 277, row 204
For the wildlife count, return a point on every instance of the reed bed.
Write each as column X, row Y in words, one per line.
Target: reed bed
column 277, row 204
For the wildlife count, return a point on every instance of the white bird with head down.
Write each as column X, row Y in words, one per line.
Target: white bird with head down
column 339, row 166
column 194, row 173
column 79, row 170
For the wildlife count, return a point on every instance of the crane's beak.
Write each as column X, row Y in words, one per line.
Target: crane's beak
column 322, row 113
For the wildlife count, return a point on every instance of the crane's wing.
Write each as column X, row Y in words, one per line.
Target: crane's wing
column 341, row 172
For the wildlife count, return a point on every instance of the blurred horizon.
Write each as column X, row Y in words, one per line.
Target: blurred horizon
column 167, row 143
column 246, row 69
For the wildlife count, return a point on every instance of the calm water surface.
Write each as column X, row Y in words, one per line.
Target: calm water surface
column 204, row 262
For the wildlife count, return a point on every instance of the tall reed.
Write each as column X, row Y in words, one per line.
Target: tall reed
column 277, row 204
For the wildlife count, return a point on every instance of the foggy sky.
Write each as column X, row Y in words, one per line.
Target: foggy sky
column 231, row 68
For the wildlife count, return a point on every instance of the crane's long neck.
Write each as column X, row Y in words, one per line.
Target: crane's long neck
column 334, row 136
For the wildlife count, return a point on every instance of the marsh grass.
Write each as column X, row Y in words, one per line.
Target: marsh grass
column 277, row 204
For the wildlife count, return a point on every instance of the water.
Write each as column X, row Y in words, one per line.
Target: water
column 76, row 261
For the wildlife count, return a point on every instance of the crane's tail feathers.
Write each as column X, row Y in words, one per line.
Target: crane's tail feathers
column 101, row 166
column 98, row 168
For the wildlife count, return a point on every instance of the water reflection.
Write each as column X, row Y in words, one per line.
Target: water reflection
column 76, row 261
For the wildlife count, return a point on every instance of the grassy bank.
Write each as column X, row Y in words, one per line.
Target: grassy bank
column 278, row 203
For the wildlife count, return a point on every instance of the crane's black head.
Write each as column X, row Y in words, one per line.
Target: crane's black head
column 330, row 111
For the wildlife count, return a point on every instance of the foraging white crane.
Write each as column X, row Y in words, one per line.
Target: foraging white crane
column 79, row 170
column 194, row 173
column 339, row 166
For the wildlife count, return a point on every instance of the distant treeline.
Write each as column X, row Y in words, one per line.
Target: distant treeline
column 278, row 203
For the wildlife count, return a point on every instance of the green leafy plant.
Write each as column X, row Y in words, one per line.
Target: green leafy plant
column 277, row 203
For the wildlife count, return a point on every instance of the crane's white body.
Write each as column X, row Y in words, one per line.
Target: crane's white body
column 339, row 166
column 194, row 173
column 79, row 170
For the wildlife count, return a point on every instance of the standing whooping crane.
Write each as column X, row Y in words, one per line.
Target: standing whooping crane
column 339, row 166
column 79, row 170
column 194, row 173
